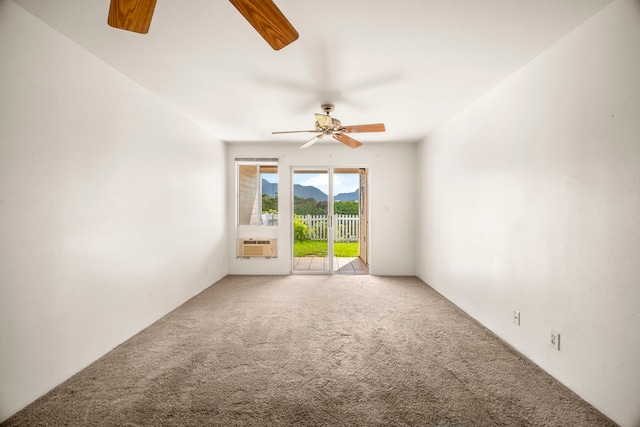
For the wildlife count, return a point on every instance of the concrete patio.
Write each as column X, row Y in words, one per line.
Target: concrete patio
column 340, row 265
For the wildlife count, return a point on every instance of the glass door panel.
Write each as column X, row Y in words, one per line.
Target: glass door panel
column 312, row 231
column 347, row 220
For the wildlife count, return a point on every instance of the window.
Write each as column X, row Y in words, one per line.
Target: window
column 257, row 193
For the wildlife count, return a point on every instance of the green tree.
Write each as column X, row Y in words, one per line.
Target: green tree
column 269, row 203
column 349, row 207
column 309, row 206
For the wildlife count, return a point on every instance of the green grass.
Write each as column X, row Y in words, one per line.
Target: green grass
column 319, row 248
column 346, row 249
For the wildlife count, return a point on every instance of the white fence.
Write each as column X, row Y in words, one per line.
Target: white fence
column 346, row 228
column 269, row 219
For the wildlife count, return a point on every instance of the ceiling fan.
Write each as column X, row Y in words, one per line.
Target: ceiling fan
column 327, row 125
column 263, row 15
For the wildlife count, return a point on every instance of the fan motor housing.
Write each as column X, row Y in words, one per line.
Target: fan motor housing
column 327, row 108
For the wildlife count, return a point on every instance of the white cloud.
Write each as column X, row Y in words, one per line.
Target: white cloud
column 320, row 181
column 345, row 183
column 342, row 183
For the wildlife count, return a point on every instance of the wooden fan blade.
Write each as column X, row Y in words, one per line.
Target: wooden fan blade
column 294, row 131
column 347, row 140
column 267, row 19
column 377, row 127
column 131, row 15
column 312, row 141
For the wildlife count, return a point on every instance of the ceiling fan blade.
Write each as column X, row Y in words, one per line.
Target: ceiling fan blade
column 131, row 15
column 312, row 141
column 268, row 20
column 294, row 131
column 377, row 127
column 346, row 140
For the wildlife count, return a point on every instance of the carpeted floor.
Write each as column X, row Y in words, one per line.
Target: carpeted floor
column 312, row 351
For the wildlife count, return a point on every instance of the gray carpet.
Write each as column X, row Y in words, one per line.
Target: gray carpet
column 312, row 351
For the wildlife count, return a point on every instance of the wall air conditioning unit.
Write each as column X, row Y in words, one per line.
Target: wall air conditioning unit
column 257, row 247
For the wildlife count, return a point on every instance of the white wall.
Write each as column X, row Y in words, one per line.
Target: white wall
column 391, row 198
column 110, row 207
column 530, row 200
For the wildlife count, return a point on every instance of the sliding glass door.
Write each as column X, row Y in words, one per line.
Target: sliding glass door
column 330, row 220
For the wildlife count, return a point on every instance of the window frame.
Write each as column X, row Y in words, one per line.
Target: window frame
column 254, row 206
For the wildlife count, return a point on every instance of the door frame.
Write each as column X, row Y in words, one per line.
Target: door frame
column 363, row 208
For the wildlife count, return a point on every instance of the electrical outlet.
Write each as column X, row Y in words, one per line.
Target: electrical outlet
column 516, row 317
column 554, row 339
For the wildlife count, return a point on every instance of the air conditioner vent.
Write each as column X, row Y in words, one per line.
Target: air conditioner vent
column 257, row 242
column 258, row 248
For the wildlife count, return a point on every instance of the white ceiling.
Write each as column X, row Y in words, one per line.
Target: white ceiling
column 411, row 64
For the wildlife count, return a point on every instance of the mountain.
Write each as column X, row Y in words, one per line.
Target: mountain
column 269, row 188
column 344, row 197
column 309, row 192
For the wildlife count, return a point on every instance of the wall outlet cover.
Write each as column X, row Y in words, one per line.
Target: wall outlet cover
column 554, row 339
column 516, row 317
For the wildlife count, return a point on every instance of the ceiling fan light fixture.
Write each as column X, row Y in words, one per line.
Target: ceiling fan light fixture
column 327, row 125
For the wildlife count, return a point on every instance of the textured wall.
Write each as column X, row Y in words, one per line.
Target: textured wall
column 109, row 204
column 530, row 199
